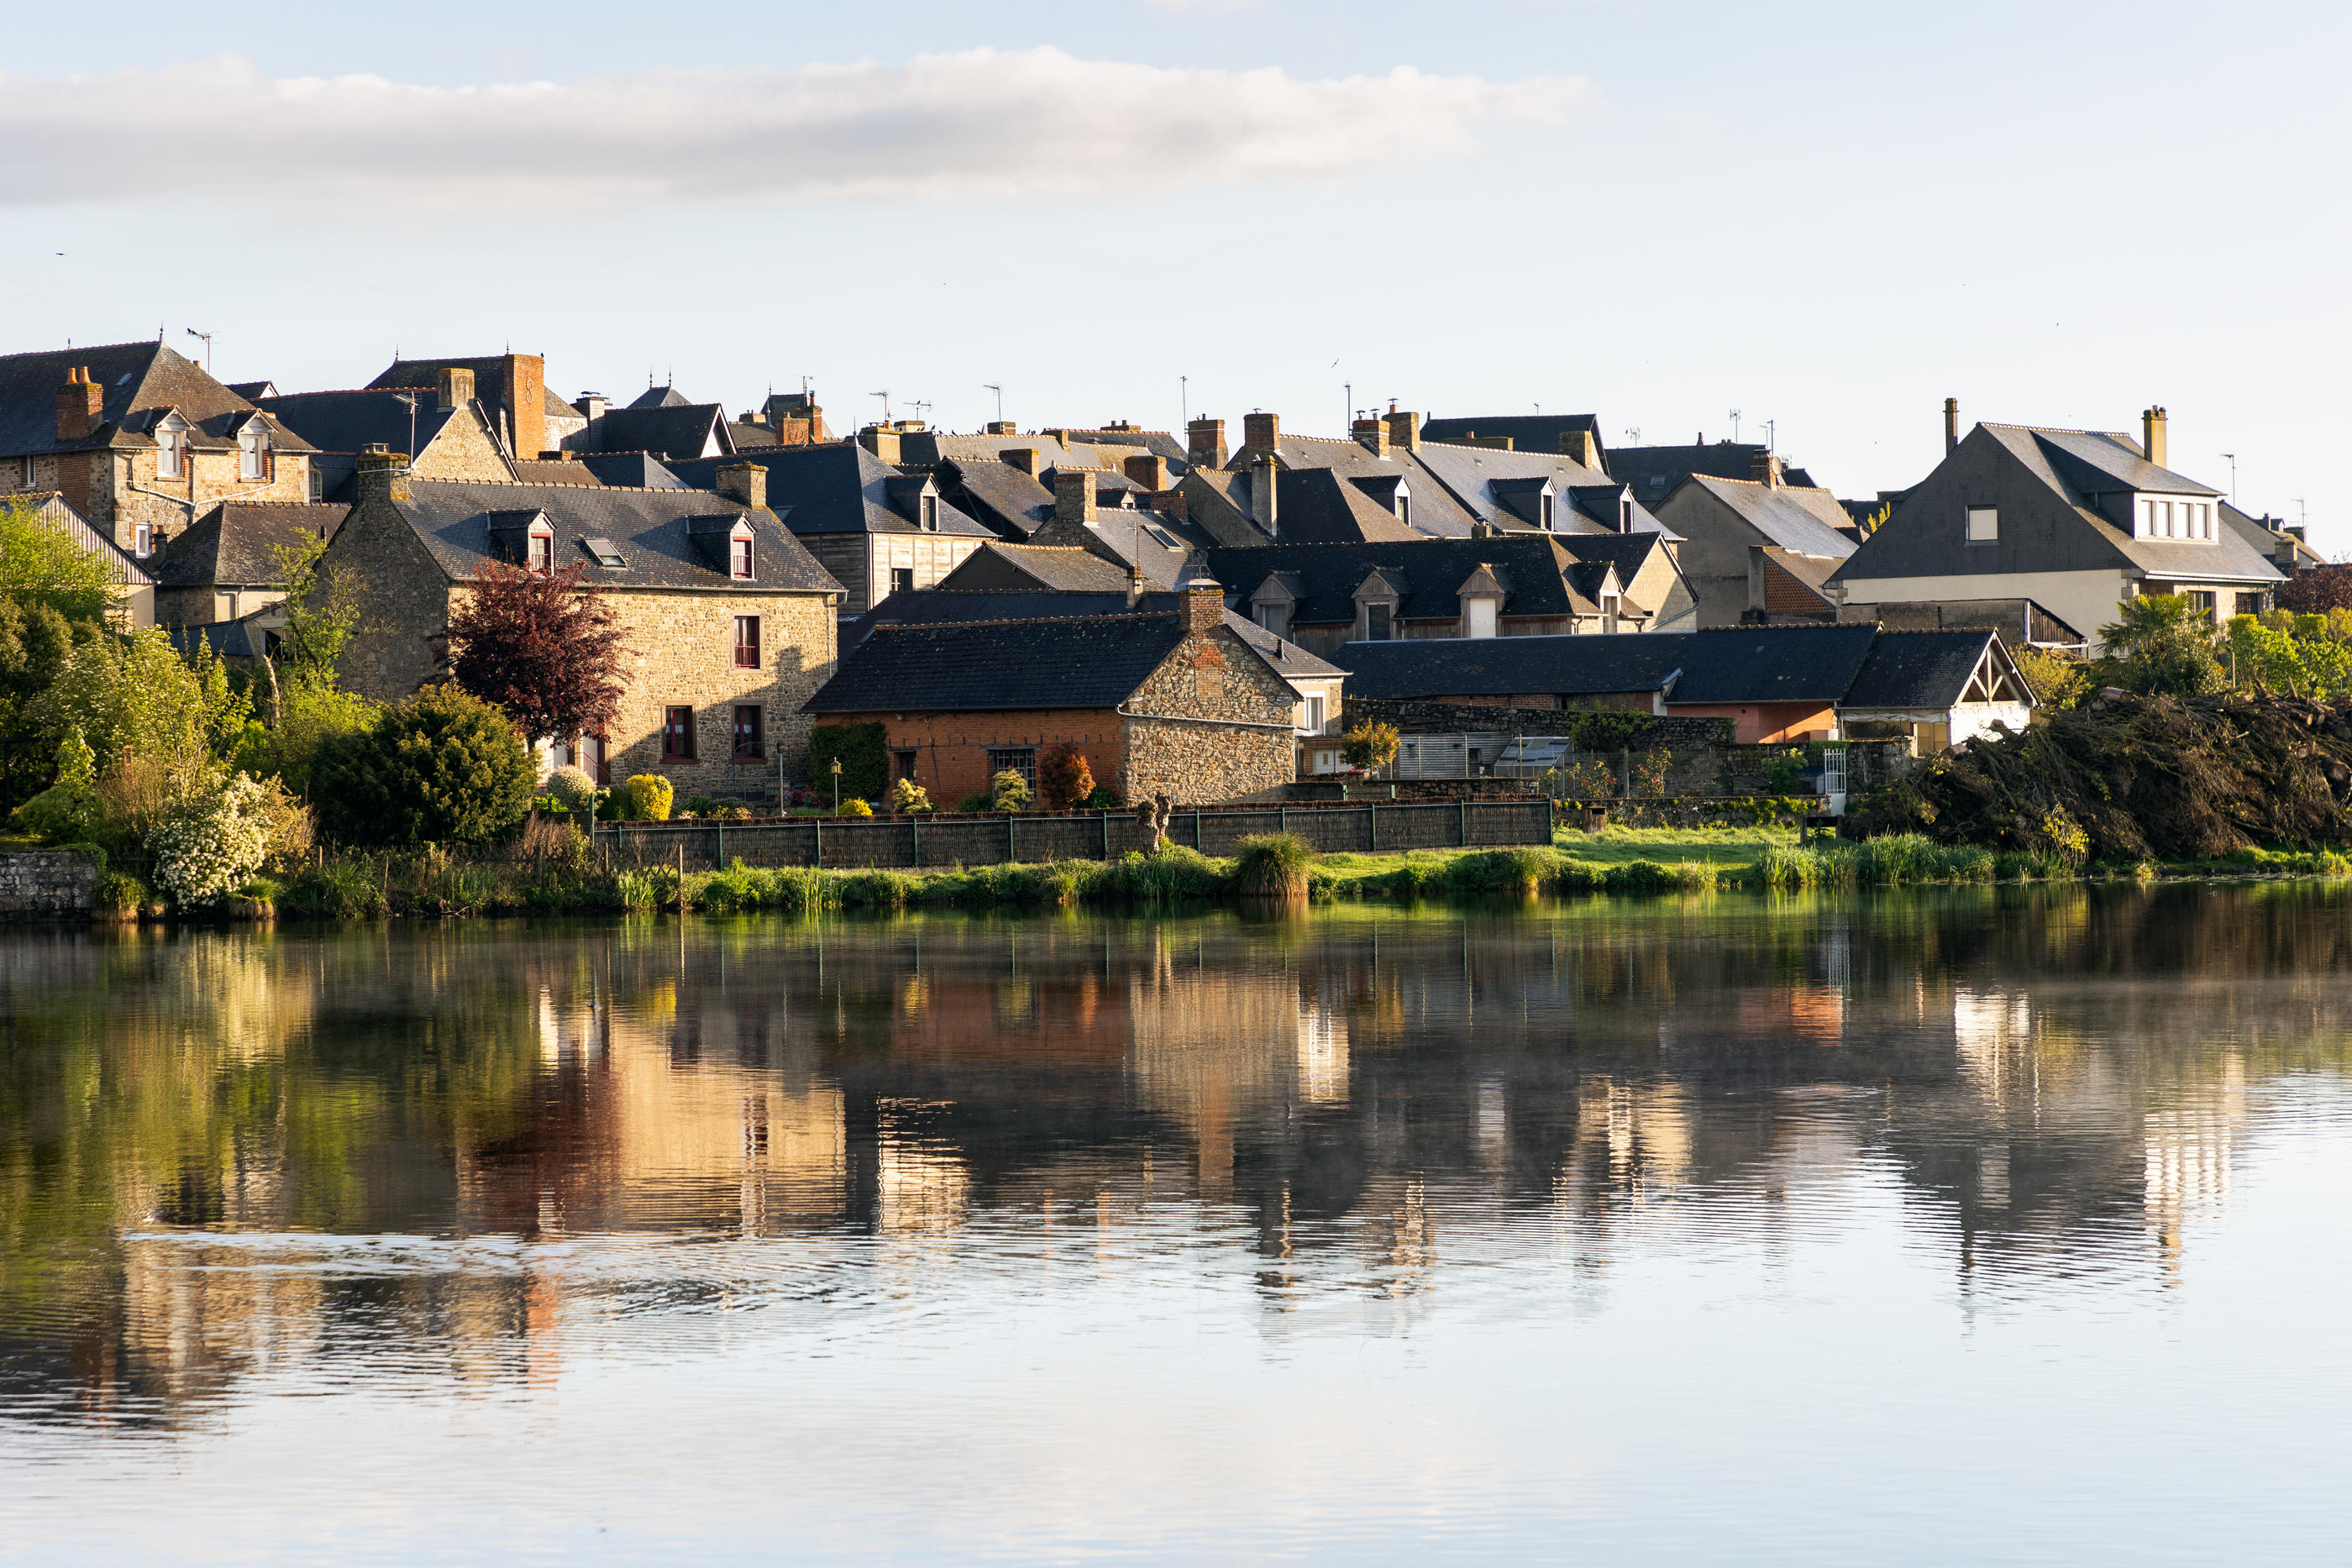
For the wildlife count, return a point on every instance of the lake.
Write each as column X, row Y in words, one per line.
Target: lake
column 1955, row 1225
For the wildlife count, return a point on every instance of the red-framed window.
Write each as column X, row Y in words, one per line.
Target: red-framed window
column 740, row 557
column 677, row 735
column 750, row 733
column 541, row 552
column 747, row 641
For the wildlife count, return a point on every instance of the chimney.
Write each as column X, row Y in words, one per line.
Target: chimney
column 1951, row 425
column 1373, row 435
column 1202, row 606
column 746, row 483
column 1262, row 431
column 1204, row 443
column 1763, row 468
column 1074, row 495
column 2152, row 442
column 79, row 403
column 1262, row 495
column 526, row 401
column 1021, row 457
column 1756, row 606
column 456, row 385
column 1001, row 427
column 1404, row 431
column 1582, row 445
column 883, row 443
column 1149, row 470
column 592, row 406
column 382, row 473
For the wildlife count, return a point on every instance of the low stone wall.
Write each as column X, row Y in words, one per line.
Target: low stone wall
column 1457, row 718
column 45, row 884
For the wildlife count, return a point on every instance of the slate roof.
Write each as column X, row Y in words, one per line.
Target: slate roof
column 629, row 470
column 1587, row 498
column 138, row 380
column 1795, row 517
column 1076, row 661
column 1000, row 494
column 652, row 528
column 346, row 421
column 1435, row 511
column 1534, row 569
column 836, row 488
column 243, row 638
column 1528, row 431
column 253, row 391
column 1061, row 569
column 682, row 430
column 535, row 471
column 426, row 373
column 53, row 510
column 1655, row 472
column 1727, row 665
column 234, row 545
column 932, row 606
column 1320, row 506
column 1917, row 669
column 659, row 397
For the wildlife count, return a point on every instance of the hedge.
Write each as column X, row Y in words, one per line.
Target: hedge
column 864, row 761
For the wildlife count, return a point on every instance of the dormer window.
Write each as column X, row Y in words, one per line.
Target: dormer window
column 929, row 513
column 1610, row 604
column 2156, row 518
column 171, row 451
column 1404, row 506
column 739, row 554
column 1275, row 618
column 539, row 552
column 1479, row 617
column 1544, row 511
column 253, row 454
column 1625, row 513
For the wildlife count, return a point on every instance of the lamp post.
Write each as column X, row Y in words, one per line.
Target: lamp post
column 837, row 786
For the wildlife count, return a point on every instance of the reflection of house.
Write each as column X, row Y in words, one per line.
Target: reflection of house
column 1175, row 704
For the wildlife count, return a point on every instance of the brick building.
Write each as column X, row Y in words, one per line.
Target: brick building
column 728, row 621
column 139, row 441
column 1176, row 703
column 513, row 389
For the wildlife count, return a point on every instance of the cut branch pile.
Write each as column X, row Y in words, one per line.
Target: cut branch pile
column 2134, row 779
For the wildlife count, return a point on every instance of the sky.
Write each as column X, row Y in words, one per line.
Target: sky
column 1827, row 217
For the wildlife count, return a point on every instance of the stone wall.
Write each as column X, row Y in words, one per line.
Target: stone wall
column 1201, row 763
column 1463, row 719
column 464, row 450
column 681, row 652
column 402, row 596
column 37, row 884
column 118, row 490
column 951, row 749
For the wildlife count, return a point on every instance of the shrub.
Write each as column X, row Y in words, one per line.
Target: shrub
column 1064, row 780
column 975, row 803
column 908, row 797
column 443, row 765
column 136, row 691
column 338, row 890
column 864, row 761
column 1611, row 730
column 1272, row 865
column 117, row 894
column 542, row 646
column 1512, row 870
column 1008, row 792
column 208, row 852
column 1104, row 798
column 1370, row 746
column 1177, row 872
column 855, row 808
column 578, row 791
column 70, row 808
column 649, row 796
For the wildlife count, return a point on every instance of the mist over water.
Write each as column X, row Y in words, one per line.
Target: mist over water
column 1966, row 1226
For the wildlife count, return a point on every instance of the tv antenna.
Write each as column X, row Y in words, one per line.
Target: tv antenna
column 2234, row 476
column 1735, row 427
column 207, row 337
column 991, row 386
column 885, row 396
column 1769, row 425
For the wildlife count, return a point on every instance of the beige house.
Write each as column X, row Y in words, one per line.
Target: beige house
column 447, row 428
column 1756, row 544
column 728, row 621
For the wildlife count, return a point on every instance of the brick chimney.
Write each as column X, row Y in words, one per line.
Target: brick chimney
column 1582, row 445
column 592, row 406
column 456, row 388
column 1373, row 435
column 1404, row 431
column 1074, row 495
column 883, row 443
column 1021, row 457
column 1951, row 425
column 1262, row 495
column 526, row 395
column 1202, row 606
column 2152, row 440
column 745, row 483
column 1204, row 443
column 382, row 473
column 1001, row 427
column 1262, row 431
column 1149, row 470
column 1763, row 468
column 79, row 403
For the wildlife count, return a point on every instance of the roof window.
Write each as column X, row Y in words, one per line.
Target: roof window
column 604, row 552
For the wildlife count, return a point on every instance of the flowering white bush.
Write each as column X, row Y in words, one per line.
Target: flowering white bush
column 208, row 852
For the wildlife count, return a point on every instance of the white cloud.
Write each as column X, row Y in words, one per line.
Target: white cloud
column 980, row 123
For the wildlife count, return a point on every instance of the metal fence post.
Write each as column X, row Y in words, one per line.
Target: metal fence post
column 718, row 849
column 818, row 827
column 915, row 830
column 1462, row 831
column 1372, row 829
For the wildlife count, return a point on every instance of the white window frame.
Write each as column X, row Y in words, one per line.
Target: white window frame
column 744, row 570
column 1611, row 607
column 170, row 453
column 1313, row 703
column 927, row 510
column 1990, row 527
column 1273, row 616
column 253, row 455
column 1403, row 504
column 1546, row 514
column 539, row 551
column 1481, row 616
column 142, row 540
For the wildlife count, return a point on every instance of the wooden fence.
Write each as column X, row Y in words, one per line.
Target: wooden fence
column 952, row 840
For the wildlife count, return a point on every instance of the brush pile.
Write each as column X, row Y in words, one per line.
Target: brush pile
column 2136, row 778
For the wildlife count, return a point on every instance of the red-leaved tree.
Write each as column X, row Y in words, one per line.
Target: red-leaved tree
column 2318, row 590
column 542, row 647
column 1064, row 777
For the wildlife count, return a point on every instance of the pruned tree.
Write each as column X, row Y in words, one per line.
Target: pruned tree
column 542, row 647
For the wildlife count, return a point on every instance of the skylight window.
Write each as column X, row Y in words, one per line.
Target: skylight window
column 604, row 552
column 1167, row 541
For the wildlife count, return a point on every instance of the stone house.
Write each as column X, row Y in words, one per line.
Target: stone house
column 139, row 441
column 227, row 567
column 1723, row 523
column 511, row 388
column 1176, row 703
column 728, row 621
column 2075, row 520
column 447, row 429
column 876, row 529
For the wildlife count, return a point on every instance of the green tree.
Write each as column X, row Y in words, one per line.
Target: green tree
column 306, row 702
column 2058, row 682
column 136, row 691
column 2163, row 645
column 1370, row 746
column 40, row 563
column 444, row 767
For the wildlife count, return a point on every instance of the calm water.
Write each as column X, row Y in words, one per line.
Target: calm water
column 1960, row 1226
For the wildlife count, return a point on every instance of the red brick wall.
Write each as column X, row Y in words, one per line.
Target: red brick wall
column 951, row 749
column 1763, row 723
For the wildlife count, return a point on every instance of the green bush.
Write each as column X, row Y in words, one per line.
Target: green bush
column 1104, row 798
column 650, row 795
column 864, row 760
column 1008, row 792
column 338, row 890
column 118, row 893
column 576, row 790
column 1272, row 865
column 1523, row 870
column 907, row 798
column 975, row 803
column 69, row 808
column 443, row 767
column 1176, row 872
column 1611, row 730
